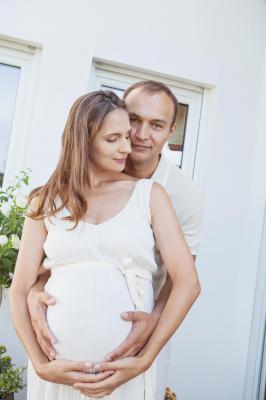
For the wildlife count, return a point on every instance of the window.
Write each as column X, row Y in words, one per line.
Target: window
column 182, row 147
column 9, row 80
column 18, row 67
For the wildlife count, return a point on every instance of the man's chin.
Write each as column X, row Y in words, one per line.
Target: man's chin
column 139, row 156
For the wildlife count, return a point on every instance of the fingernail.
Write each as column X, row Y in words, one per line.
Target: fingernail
column 124, row 314
column 53, row 341
column 97, row 366
column 107, row 358
column 52, row 354
column 88, row 364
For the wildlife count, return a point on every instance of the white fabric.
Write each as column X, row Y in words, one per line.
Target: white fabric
column 185, row 196
column 186, row 201
column 97, row 272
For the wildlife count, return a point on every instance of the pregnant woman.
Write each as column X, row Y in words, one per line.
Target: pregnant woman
column 96, row 228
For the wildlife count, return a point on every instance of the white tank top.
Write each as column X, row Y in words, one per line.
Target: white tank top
column 126, row 236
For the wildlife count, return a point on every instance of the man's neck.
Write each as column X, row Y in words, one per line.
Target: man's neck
column 141, row 170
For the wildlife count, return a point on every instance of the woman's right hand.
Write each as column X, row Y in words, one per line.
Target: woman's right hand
column 37, row 302
column 69, row 372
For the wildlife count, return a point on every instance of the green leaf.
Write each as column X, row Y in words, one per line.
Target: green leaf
column 11, row 253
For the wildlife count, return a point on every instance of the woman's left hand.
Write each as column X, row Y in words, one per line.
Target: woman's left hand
column 125, row 369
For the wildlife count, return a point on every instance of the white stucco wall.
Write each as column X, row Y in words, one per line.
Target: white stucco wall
column 214, row 42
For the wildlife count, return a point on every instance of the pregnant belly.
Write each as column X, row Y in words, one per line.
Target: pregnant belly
column 86, row 318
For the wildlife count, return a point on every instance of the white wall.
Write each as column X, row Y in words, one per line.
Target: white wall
column 213, row 42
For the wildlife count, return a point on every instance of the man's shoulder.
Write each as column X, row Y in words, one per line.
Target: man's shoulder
column 186, row 199
column 179, row 182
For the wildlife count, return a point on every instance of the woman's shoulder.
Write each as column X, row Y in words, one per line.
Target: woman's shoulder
column 159, row 197
column 34, row 203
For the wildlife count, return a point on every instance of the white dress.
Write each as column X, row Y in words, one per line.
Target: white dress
column 97, row 272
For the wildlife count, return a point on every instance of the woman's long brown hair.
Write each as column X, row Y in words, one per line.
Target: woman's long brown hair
column 71, row 174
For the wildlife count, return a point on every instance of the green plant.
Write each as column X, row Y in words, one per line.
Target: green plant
column 11, row 377
column 13, row 204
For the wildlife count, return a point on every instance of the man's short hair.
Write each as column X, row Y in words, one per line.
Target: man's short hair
column 155, row 87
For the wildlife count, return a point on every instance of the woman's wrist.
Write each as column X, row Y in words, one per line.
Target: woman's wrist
column 144, row 361
column 41, row 370
column 40, row 366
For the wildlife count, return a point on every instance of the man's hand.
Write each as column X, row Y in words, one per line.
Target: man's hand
column 125, row 369
column 142, row 328
column 37, row 304
column 70, row 372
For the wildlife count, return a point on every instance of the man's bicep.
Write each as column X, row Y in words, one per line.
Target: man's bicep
column 42, row 278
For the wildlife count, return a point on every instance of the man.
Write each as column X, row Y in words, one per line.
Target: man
column 153, row 110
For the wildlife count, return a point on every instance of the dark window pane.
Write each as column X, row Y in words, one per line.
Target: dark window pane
column 176, row 142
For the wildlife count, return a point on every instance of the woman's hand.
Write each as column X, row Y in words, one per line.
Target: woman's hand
column 70, row 372
column 125, row 369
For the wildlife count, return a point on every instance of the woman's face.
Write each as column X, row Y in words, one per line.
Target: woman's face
column 112, row 143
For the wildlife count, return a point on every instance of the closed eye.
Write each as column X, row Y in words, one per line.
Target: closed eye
column 112, row 140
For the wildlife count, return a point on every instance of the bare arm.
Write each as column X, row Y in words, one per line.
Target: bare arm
column 181, row 269
column 42, row 278
column 38, row 301
column 28, row 263
column 163, row 296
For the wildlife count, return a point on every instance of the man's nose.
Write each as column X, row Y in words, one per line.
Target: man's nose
column 143, row 132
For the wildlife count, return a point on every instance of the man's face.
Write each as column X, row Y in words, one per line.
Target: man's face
column 151, row 117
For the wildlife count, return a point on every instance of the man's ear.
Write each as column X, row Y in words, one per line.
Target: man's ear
column 172, row 130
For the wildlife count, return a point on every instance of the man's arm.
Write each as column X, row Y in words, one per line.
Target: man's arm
column 38, row 301
column 143, row 325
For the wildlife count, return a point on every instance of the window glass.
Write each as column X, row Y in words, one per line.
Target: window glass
column 176, row 142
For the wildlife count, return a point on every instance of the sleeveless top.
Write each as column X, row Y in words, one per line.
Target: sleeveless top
column 124, row 241
column 126, row 235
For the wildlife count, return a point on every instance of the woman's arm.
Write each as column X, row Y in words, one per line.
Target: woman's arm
column 29, row 259
column 181, row 269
